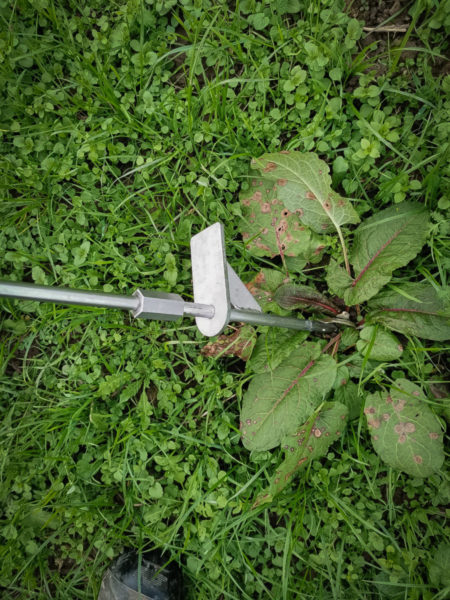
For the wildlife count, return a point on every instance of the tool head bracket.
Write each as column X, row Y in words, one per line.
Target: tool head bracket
column 215, row 282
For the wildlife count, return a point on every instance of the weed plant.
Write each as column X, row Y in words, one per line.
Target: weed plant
column 125, row 128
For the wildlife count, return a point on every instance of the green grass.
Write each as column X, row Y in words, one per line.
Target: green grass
column 125, row 128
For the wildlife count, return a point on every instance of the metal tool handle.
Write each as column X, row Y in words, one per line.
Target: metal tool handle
column 257, row 318
column 149, row 304
column 143, row 304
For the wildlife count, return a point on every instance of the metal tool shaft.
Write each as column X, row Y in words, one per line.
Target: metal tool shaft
column 43, row 293
column 258, row 318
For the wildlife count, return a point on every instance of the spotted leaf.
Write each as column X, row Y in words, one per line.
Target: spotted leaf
column 303, row 184
column 405, row 433
column 270, row 229
column 310, row 441
column 276, row 403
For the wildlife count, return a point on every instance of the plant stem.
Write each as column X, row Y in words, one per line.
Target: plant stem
column 344, row 250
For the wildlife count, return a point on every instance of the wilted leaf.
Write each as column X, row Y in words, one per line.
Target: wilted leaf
column 309, row 442
column 292, row 296
column 278, row 402
column 378, row 344
column 303, row 185
column 405, row 433
column 338, row 280
column 270, row 229
column 263, row 287
column 238, row 343
column 273, row 347
column 419, row 312
column 384, row 242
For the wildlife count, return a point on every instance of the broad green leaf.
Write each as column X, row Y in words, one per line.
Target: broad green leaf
column 290, row 296
column 349, row 338
column 303, row 184
column 338, row 280
column 308, row 442
column 439, row 566
column 263, row 287
column 378, row 344
column 272, row 347
column 278, row 402
column 348, row 395
column 361, row 367
column 414, row 309
column 270, row 229
column 405, row 433
column 384, row 242
column 342, row 376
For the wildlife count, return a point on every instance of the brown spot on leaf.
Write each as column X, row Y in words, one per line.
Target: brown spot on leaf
column 389, row 400
column 375, row 423
column 433, row 436
column 403, row 429
column 386, row 416
column 400, row 348
column 317, row 433
column 375, row 437
column 327, row 206
column 277, row 480
column 319, row 249
column 285, row 212
column 310, row 448
column 284, row 152
column 399, row 406
column 418, row 459
column 301, row 461
column 341, row 202
column 310, row 196
column 257, row 197
column 282, row 182
column 416, row 393
column 265, row 208
column 282, row 226
column 254, row 182
column 271, row 166
column 370, row 410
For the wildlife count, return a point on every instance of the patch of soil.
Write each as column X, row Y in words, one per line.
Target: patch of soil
column 376, row 12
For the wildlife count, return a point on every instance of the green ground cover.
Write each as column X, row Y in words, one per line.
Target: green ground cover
column 125, row 128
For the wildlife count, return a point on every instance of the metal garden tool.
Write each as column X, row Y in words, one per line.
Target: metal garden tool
column 219, row 294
